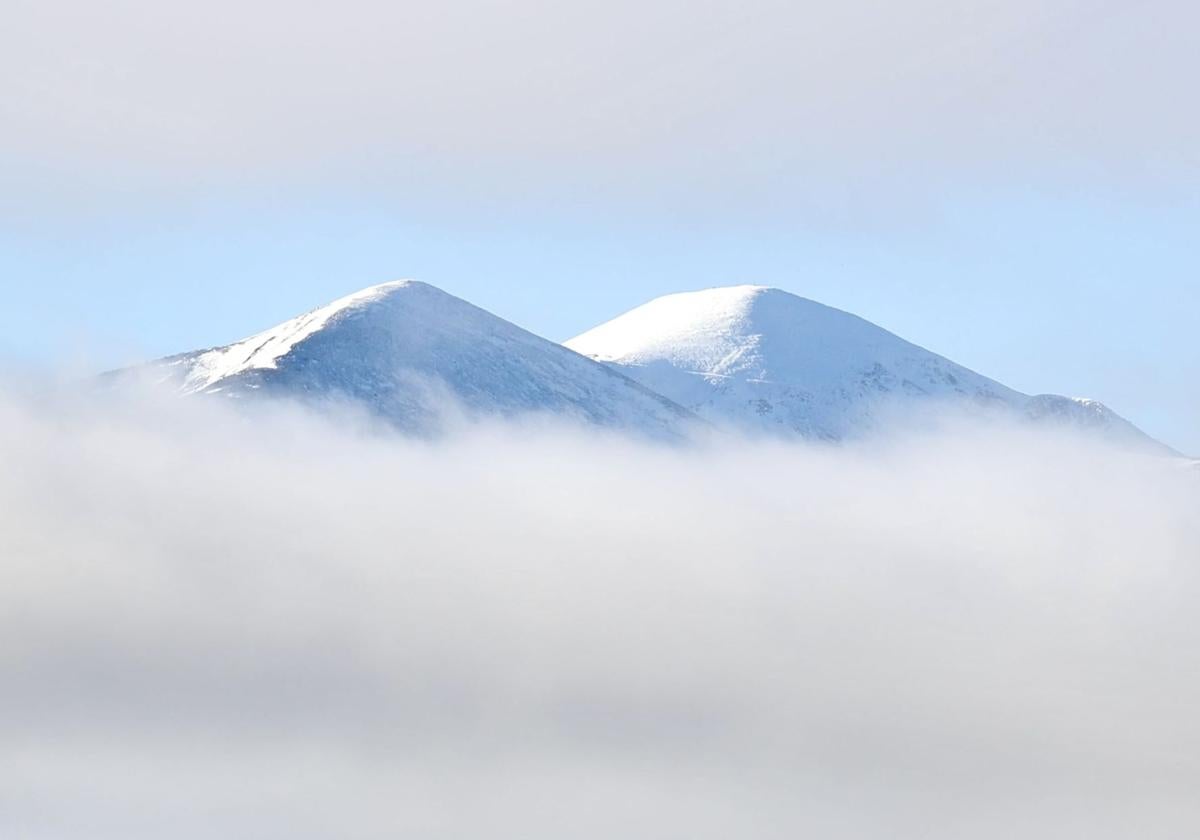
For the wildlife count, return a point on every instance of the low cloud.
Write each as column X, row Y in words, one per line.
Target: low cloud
column 271, row 626
column 666, row 93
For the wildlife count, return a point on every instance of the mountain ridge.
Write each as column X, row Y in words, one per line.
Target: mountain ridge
column 744, row 359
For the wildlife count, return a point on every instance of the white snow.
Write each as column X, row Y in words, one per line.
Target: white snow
column 700, row 332
column 263, row 350
column 761, row 359
column 420, row 358
column 747, row 358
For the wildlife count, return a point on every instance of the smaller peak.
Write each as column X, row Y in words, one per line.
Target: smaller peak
column 674, row 319
column 718, row 304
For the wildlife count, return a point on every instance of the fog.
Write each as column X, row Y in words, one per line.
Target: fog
column 215, row 624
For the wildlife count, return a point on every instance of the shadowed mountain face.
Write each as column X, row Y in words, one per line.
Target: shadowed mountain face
column 763, row 360
column 420, row 358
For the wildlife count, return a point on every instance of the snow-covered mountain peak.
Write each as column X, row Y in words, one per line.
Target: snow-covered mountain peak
column 768, row 337
column 705, row 322
column 748, row 358
column 263, row 350
column 762, row 359
column 420, row 357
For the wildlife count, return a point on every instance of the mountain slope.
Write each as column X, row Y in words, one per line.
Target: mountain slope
column 418, row 357
column 762, row 359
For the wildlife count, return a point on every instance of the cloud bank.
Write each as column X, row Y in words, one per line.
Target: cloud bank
column 671, row 91
column 211, row 626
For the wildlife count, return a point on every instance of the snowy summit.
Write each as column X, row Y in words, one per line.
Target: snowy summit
column 761, row 359
column 418, row 357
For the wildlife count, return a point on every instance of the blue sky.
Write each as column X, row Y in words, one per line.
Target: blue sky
column 1014, row 186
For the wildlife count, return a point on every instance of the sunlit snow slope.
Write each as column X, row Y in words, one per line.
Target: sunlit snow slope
column 761, row 359
column 418, row 357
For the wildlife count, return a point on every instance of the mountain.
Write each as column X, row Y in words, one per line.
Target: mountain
column 743, row 358
column 419, row 357
column 763, row 360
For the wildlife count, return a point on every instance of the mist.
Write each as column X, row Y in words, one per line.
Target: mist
column 215, row 624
